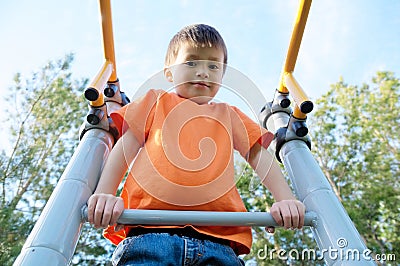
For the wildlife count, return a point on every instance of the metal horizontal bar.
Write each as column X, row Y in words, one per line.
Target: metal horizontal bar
column 200, row 218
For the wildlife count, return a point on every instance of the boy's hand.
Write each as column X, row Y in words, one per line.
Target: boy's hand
column 287, row 213
column 104, row 210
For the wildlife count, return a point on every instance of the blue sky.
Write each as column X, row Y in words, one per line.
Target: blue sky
column 352, row 39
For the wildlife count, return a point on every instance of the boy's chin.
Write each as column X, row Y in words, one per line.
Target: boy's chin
column 201, row 99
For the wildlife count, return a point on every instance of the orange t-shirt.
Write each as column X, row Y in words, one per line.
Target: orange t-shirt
column 186, row 161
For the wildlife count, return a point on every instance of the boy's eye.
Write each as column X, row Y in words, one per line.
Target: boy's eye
column 190, row 63
column 213, row 66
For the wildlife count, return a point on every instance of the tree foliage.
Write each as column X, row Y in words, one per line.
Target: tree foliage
column 44, row 113
column 355, row 137
column 357, row 143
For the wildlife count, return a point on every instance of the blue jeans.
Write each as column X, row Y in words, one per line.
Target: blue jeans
column 166, row 249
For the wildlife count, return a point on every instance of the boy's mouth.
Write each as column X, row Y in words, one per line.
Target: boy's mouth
column 202, row 84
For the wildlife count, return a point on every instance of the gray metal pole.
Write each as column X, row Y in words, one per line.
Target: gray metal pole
column 56, row 233
column 200, row 218
column 335, row 233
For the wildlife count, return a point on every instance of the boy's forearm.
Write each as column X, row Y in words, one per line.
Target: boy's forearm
column 269, row 171
column 112, row 174
column 117, row 164
column 286, row 211
column 276, row 183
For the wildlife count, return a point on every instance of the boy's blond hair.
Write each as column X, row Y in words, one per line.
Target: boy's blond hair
column 196, row 35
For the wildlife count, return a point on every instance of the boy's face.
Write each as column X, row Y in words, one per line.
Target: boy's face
column 197, row 73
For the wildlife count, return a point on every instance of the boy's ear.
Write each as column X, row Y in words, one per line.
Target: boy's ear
column 168, row 74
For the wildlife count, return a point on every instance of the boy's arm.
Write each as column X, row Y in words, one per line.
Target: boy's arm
column 287, row 210
column 104, row 208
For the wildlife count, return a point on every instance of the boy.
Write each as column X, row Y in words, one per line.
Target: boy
column 183, row 149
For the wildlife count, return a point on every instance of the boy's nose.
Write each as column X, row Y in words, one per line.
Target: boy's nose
column 202, row 72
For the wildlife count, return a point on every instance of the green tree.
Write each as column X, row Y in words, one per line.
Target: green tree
column 356, row 137
column 44, row 113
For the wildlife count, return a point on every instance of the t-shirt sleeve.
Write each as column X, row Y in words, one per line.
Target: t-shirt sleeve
column 137, row 116
column 246, row 132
